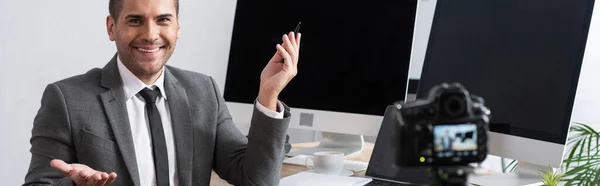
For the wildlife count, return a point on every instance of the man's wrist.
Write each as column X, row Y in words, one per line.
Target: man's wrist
column 268, row 100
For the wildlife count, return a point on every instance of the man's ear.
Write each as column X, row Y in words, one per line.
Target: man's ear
column 110, row 27
column 178, row 27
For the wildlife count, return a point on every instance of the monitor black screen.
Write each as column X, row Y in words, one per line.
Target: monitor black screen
column 354, row 55
column 522, row 57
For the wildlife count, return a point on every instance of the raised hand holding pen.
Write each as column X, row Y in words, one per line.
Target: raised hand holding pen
column 276, row 75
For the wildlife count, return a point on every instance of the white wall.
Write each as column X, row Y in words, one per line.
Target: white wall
column 45, row 41
column 587, row 101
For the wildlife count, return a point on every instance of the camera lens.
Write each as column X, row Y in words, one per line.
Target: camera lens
column 454, row 106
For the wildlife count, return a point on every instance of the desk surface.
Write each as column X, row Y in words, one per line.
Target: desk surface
column 287, row 170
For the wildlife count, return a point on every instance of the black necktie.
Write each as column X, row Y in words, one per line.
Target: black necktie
column 159, row 145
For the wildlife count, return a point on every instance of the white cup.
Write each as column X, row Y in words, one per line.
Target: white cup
column 329, row 162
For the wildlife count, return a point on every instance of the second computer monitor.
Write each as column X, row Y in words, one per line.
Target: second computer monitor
column 523, row 58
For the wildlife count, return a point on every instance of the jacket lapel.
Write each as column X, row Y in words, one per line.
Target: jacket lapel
column 113, row 101
column 181, row 121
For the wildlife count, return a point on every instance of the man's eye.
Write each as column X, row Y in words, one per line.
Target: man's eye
column 135, row 21
column 163, row 20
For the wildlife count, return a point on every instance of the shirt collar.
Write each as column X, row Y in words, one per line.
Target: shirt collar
column 133, row 85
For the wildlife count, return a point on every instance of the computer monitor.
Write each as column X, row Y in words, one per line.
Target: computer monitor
column 354, row 61
column 524, row 58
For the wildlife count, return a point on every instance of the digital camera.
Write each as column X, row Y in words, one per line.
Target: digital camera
column 447, row 128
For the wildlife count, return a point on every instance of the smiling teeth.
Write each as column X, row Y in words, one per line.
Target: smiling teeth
column 148, row 51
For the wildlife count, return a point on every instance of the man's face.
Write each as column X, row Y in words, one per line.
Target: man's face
column 145, row 34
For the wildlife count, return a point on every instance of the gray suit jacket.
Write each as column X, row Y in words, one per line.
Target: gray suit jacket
column 83, row 119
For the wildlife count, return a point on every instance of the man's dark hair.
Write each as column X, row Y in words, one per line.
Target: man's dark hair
column 115, row 6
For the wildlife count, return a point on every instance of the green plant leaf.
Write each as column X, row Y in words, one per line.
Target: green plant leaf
column 512, row 163
column 582, row 164
column 572, row 153
column 550, row 178
column 589, row 147
column 596, row 146
column 582, row 146
column 514, row 167
column 597, row 178
column 585, row 160
column 575, row 171
column 590, row 130
column 578, row 179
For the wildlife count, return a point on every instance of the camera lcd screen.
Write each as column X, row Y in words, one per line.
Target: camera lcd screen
column 452, row 140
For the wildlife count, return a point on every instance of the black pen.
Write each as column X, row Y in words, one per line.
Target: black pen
column 297, row 27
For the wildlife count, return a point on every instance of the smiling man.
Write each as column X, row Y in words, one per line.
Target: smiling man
column 140, row 122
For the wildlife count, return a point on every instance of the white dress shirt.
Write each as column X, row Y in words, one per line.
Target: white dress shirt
column 138, row 120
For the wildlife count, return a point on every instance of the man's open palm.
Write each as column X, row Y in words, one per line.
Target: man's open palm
column 82, row 174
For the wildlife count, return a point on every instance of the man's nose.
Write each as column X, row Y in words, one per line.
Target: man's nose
column 151, row 33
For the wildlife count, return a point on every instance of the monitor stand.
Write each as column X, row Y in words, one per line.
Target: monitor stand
column 525, row 174
column 349, row 144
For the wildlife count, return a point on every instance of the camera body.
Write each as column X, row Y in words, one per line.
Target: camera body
column 447, row 128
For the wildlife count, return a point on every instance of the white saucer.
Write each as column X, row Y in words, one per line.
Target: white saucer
column 344, row 172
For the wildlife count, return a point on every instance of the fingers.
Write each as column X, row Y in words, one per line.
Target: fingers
column 286, row 56
column 298, row 50
column 104, row 179
column 276, row 57
column 298, row 40
column 288, row 44
column 93, row 179
column 88, row 176
column 63, row 167
column 292, row 37
column 111, row 178
column 291, row 49
column 82, row 174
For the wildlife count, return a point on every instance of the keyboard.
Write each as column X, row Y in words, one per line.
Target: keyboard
column 354, row 166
